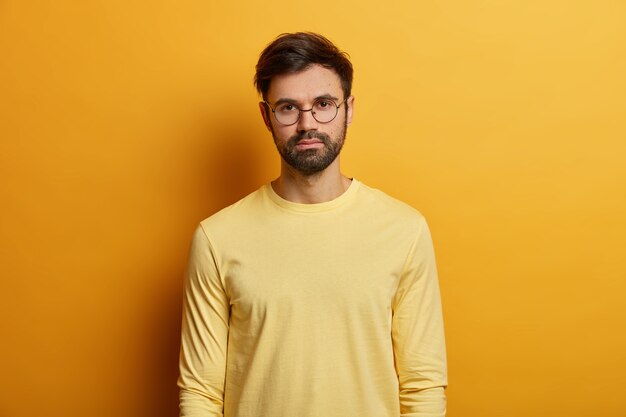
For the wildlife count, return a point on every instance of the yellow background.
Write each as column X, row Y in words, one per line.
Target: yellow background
column 124, row 123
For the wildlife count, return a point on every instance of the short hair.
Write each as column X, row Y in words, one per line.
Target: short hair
column 295, row 52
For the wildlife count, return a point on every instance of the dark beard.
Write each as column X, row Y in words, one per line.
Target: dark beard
column 312, row 161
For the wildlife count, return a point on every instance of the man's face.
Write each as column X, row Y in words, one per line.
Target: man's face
column 308, row 146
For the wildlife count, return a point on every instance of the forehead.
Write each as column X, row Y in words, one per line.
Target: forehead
column 315, row 81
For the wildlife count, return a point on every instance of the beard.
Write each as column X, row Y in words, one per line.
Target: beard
column 311, row 161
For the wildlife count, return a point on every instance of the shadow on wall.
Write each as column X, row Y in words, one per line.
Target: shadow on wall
column 224, row 166
column 236, row 167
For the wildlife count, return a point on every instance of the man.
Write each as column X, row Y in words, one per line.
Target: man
column 315, row 296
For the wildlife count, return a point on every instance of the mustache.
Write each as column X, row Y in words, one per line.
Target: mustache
column 309, row 134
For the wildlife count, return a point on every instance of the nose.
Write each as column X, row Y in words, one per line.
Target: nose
column 306, row 121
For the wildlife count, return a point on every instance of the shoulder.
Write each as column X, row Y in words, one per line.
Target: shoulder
column 385, row 205
column 236, row 214
column 389, row 218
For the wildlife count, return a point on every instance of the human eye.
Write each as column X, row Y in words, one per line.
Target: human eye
column 286, row 108
column 324, row 104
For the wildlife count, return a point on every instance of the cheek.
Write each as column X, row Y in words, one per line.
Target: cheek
column 337, row 128
column 282, row 134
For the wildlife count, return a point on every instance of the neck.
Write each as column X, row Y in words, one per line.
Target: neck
column 320, row 187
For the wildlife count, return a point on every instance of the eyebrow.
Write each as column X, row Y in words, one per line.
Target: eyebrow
column 292, row 101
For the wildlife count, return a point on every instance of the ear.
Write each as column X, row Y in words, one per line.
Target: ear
column 265, row 113
column 350, row 107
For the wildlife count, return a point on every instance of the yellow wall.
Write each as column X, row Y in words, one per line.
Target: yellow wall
column 124, row 123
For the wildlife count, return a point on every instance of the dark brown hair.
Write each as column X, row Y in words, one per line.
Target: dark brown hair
column 295, row 52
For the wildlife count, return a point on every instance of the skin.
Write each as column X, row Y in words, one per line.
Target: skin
column 303, row 88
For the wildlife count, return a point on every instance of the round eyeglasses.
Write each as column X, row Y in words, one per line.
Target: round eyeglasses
column 324, row 110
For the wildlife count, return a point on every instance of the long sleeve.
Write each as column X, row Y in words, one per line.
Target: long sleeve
column 204, row 334
column 417, row 333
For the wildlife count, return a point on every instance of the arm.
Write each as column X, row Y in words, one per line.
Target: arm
column 417, row 333
column 204, row 334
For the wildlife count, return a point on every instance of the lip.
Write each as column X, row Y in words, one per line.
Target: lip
column 309, row 144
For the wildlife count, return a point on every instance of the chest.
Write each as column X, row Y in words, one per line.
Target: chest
column 335, row 277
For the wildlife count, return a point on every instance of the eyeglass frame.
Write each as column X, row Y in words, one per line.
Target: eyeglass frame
column 300, row 111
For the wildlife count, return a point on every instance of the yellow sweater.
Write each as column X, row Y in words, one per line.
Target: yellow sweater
column 313, row 310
